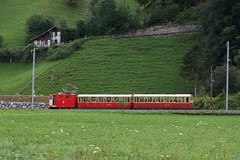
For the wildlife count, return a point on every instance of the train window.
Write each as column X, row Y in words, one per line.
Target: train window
column 175, row 99
column 85, row 99
column 60, row 97
column 108, row 99
column 153, row 99
column 137, row 99
column 149, row 99
column 158, row 99
column 100, row 99
column 187, row 100
column 104, row 99
column 70, row 97
column 80, row 99
column 128, row 99
column 116, row 99
column 93, row 99
column 66, row 97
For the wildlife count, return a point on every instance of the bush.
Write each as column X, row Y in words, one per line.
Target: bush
column 218, row 102
column 65, row 50
column 164, row 15
column 188, row 15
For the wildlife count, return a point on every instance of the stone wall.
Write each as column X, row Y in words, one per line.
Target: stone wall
column 22, row 105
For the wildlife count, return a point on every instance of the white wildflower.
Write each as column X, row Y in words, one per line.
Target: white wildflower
column 180, row 134
column 97, row 148
column 53, row 132
column 112, row 122
column 82, row 127
column 91, row 145
column 61, row 130
column 136, row 131
column 94, row 152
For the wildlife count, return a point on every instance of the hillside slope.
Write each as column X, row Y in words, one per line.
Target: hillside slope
column 13, row 16
column 134, row 65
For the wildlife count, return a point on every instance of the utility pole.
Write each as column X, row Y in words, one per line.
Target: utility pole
column 33, row 77
column 227, row 75
column 211, row 83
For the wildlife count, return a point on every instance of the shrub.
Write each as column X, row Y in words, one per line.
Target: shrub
column 65, row 50
column 188, row 15
column 164, row 15
column 218, row 102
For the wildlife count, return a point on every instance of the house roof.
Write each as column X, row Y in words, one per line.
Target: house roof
column 42, row 34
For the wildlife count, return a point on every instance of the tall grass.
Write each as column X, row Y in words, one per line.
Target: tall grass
column 135, row 65
column 111, row 135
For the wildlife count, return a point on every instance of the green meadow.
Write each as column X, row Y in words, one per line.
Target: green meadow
column 119, row 66
column 26, row 134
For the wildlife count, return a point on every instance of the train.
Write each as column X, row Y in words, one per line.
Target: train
column 121, row 101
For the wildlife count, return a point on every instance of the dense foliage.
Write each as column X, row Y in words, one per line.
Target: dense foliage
column 219, row 20
column 38, row 24
column 107, row 18
column 219, row 102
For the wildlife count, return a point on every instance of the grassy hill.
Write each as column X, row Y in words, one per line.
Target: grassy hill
column 134, row 65
column 13, row 16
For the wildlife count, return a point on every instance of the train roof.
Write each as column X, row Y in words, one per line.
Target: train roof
column 162, row 95
column 104, row 95
column 135, row 95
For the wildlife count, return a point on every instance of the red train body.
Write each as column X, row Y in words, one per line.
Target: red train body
column 128, row 101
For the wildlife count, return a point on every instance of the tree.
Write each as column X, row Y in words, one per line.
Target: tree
column 67, row 33
column 1, row 41
column 193, row 66
column 37, row 24
column 220, row 23
column 219, row 76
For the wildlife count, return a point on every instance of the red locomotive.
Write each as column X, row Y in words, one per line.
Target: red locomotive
column 127, row 101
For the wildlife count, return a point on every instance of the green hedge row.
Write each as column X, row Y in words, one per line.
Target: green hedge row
column 218, row 102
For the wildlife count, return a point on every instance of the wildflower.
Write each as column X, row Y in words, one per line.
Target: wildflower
column 53, row 132
column 61, row 129
column 97, row 148
column 180, row 134
column 94, row 152
column 136, row 131
column 82, row 127
column 91, row 145
column 112, row 122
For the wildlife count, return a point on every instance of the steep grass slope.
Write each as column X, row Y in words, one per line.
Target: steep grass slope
column 134, row 65
column 13, row 15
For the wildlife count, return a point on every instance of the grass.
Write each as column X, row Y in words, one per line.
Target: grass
column 16, row 76
column 134, row 65
column 110, row 135
column 13, row 16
